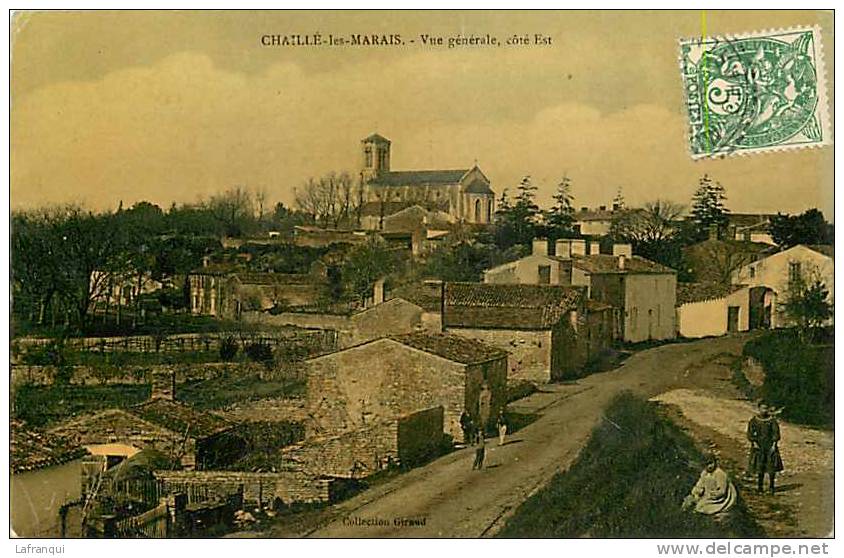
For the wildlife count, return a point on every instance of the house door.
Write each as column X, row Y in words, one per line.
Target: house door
column 732, row 319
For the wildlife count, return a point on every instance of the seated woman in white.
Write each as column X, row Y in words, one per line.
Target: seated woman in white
column 714, row 492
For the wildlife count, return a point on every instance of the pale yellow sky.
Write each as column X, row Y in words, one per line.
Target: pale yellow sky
column 173, row 106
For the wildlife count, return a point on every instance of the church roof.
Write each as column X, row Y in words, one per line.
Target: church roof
column 411, row 178
column 376, row 138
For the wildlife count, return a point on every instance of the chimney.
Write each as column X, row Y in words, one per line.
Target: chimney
column 602, row 208
column 622, row 250
column 378, row 292
column 163, row 384
column 563, row 248
column 594, row 247
column 584, row 208
column 578, row 247
column 622, row 261
column 540, row 247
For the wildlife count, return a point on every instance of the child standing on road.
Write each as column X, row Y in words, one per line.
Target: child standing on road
column 502, row 427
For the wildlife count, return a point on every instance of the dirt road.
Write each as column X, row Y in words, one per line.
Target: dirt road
column 447, row 499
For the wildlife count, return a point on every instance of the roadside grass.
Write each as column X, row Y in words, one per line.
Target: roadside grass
column 799, row 376
column 629, row 481
column 222, row 392
column 45, row 405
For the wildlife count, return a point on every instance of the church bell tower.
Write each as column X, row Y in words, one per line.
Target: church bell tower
column 376, row 156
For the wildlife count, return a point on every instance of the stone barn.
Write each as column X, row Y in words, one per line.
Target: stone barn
column 543, row 327
column 380, row 380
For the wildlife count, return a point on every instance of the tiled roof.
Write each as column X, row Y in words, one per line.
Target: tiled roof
column 410, row 178
column 606, row 263
column 699, row 292
column 180, row 418
column 452, row 347
column 428, row 298
column 31, row 449
column 506, row 306
column 374, row 208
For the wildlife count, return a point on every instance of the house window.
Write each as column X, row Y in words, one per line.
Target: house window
column 368, row 153
column 489, row 211
column 793, row 272
column 477, row 211
column 752, row 272
column 544, row 275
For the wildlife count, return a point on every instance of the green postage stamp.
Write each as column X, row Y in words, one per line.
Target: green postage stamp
column 755, row 92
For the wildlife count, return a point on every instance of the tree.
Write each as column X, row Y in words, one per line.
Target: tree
column 807, row 304
column 332, row 200
column 233, row 210
column 518, row 221
column 618, row 202
column 655, row 222
column 708, row 208
column 810, row 227
column 560, row 218
column 365, row 264
column 653, row 231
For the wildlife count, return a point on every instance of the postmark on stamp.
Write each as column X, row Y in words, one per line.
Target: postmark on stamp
column 756, row 92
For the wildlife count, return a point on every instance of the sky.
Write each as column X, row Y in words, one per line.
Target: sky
column 176, row 106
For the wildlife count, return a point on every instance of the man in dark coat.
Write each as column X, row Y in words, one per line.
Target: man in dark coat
column 763, row 431
column 480, row 450
column 468, row 427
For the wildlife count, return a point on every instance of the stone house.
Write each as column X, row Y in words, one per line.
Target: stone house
column 198, row 440
column 769, row 279
column 44, row 478
column 708, row 309
column 224, row 291
column 643, row 293
column 392, row 377
column 391, row 317
column 543, row 327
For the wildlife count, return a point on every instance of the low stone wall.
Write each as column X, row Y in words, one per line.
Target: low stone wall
column 292, row 487
column 354, row 454
column 309, row 337
column 92, row 375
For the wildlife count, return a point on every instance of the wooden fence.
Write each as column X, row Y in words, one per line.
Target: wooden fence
column 152, row 524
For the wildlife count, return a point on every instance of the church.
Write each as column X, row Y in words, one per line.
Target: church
column 463, row 194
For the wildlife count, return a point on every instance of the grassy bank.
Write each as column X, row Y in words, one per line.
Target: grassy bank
column 799, row 376
column 629, row 481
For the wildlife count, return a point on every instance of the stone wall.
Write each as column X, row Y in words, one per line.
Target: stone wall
column 90, row 375
column 354, row 454
column 292, row 487
column 530, row 351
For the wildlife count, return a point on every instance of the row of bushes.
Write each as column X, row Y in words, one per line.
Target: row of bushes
column 799, row 376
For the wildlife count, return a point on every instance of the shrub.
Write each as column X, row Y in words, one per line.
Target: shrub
column 259, row 352
column 798, row 376
column 228, row 348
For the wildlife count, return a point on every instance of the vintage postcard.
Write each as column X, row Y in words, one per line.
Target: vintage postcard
column 422, row 274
